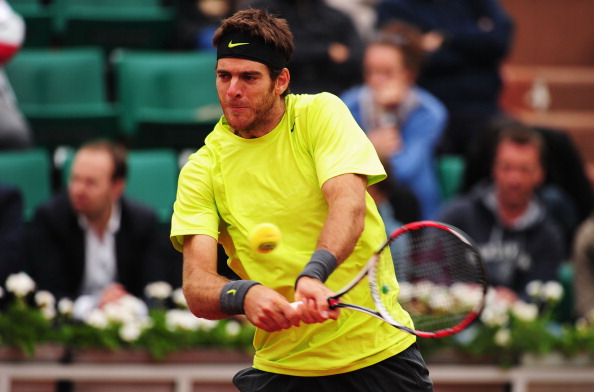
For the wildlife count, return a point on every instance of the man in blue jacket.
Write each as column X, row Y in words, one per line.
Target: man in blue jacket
column 466, row 40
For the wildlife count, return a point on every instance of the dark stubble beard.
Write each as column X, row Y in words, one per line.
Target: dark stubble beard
column 263, row 116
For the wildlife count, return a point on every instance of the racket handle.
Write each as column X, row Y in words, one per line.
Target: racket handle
column 296, row 304
column 333, row 302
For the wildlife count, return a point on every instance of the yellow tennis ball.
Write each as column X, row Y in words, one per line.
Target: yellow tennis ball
column 265, row 237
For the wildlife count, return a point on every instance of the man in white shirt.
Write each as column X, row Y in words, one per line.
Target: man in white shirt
column 92, row 244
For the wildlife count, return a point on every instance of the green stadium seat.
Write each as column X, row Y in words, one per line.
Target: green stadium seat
column 31, row 171
column 450, row 172
column 110, row 24
column 152, row 179
column 62, row 93
column 565, row 309
column 167, row 99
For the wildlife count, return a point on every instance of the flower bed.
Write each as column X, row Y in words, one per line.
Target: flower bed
column 506, row 332
column 34, row 318
column 510, row 330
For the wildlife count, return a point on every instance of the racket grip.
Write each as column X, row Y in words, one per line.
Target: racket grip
column 296, row 304
column 331, row 301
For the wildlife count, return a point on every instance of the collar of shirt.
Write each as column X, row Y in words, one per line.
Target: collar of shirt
column 113, row 225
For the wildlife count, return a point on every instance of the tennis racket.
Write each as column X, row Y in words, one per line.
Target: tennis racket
column 435, row 273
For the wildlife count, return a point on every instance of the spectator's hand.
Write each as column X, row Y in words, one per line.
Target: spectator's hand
column 506, row 295
column 268, row 310
column 432, row 41
column 313, row 295
column 391, row 93
column 386, row 140
column 112, row 293
column 338, row 52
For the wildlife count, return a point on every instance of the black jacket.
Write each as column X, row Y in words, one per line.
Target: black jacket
column 56, row 248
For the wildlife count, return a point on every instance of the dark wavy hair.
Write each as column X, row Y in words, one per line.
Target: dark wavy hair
column 259, row 22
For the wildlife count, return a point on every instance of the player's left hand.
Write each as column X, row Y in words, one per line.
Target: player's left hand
column 313, row 295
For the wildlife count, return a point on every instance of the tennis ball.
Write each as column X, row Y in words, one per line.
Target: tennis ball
column 265, row 237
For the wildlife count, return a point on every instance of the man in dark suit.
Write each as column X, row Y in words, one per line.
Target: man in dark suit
column 566, row 189
column 92, row 244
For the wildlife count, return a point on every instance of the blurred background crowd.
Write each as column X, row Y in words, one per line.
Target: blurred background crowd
column 481, row 111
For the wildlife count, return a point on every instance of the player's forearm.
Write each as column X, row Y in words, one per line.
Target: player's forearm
column 202, row 290
column 202, row 284
column 342, row 229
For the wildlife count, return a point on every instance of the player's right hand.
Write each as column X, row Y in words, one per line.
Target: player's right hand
column 268, row 310
column 313, row 297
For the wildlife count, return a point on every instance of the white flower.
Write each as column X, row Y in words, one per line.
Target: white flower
column 65, row 306
column 133, row 305
column 114, row 312
column 423, row 289
column 20, row 284
column 130, row 332
column 552, row 291
column 159, row 290
column 582, row 325
column 232, row 328
column 207, row 325
column 534, row 289
column 179, row 298
column 96, row 318
column 181, row 319
column 48, row 312
column 495, row 316
column 467, row 296
column 524, row 311
column 441, row 300
column 45, row 299
column 503, row 337
column 126, row 309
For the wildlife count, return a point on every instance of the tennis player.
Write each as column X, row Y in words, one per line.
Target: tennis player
column 302, row 163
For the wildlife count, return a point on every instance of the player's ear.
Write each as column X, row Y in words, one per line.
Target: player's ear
column 282, row 82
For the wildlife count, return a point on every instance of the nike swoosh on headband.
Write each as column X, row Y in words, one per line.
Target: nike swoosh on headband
column 232, row 45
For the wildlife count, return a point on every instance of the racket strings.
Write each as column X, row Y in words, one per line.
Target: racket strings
column 439, row 278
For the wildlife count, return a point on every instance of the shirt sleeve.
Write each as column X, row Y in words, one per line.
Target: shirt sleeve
column 194, row 210
column 339, row 146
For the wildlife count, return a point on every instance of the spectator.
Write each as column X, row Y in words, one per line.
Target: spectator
column 197, row 21
column 91, row 244
column 467, row 40
column 14, row 130
column 566, row 188
column 517, row 237
column 328, row 48
column 583, row 258
column 361, row 12
column 403, row 121
column 11, row 232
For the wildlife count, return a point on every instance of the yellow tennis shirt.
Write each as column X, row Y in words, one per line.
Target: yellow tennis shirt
column 233, row 184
